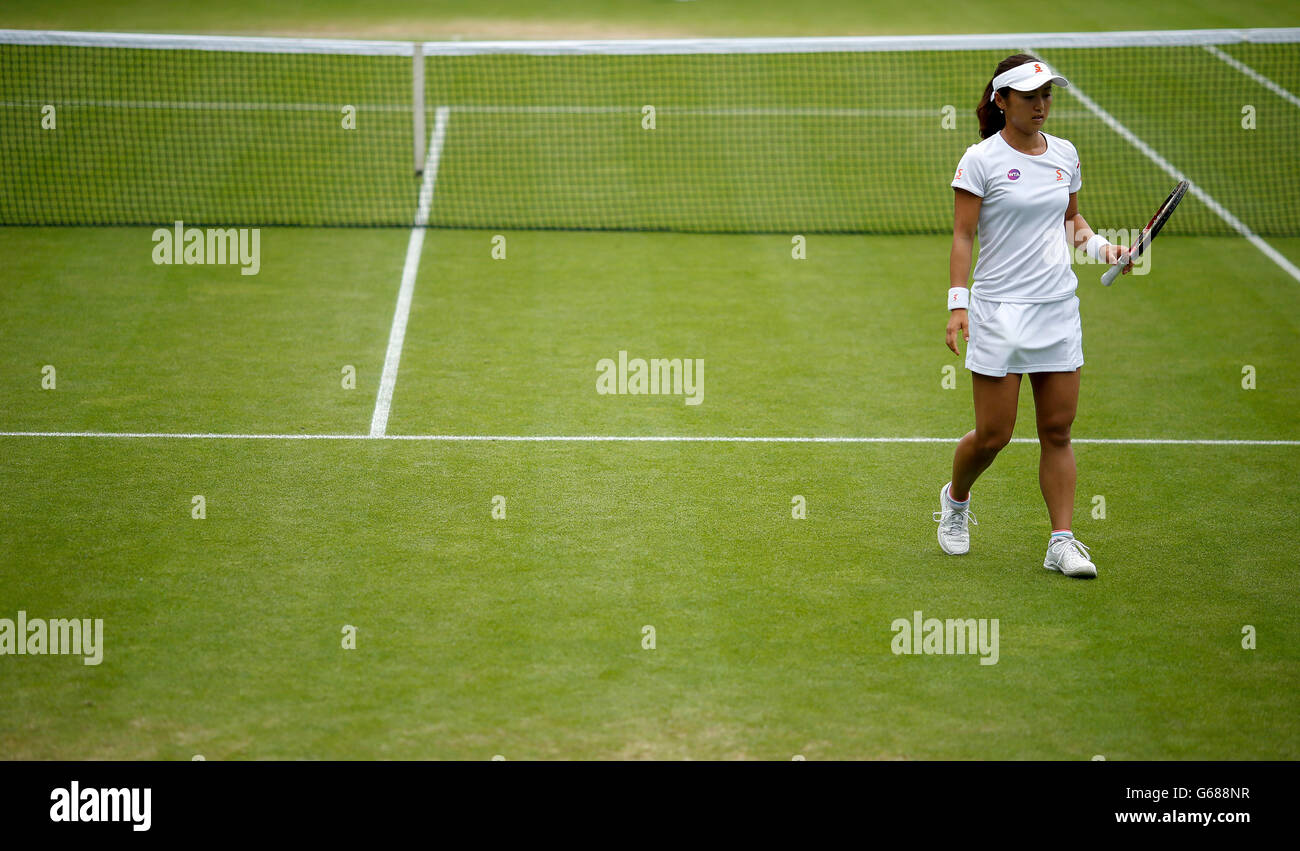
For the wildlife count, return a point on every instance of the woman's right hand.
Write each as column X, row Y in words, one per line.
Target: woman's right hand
column 958, row 323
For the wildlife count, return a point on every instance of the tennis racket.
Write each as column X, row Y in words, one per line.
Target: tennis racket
column 1148, row 233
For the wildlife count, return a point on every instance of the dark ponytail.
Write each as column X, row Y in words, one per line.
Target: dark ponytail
column 990, row 117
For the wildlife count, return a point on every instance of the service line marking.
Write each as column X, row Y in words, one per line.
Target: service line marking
column 396, row 336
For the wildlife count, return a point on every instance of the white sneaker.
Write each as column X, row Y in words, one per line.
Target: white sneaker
column 1070, row 557
column 954, row 537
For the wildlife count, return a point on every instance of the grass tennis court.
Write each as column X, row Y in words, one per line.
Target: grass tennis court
column 523, row 636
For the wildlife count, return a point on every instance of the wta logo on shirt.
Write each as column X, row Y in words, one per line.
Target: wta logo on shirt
column 1014, row 174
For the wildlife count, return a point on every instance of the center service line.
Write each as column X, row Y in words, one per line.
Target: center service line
column 384, row 401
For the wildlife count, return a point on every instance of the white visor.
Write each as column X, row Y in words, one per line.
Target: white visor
column 1029, row 77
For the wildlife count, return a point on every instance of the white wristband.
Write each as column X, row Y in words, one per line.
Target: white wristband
column 958, row 297
column 1095, row 245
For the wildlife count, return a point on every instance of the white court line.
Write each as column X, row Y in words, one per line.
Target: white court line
column 615, row 438
column 396, row 335
column 1236, row 224
column 1253, row 74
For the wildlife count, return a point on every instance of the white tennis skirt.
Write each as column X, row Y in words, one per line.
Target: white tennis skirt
column 1008, row 336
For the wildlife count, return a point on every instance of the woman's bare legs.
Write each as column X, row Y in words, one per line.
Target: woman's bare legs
column 1056, row 398
column 995, row 419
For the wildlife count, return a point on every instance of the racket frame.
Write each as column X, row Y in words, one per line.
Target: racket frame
column 1158, row 221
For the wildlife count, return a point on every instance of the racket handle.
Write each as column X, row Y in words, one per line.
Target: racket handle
column 1113, row 272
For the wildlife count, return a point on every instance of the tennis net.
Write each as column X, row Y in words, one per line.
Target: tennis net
column 850, row 135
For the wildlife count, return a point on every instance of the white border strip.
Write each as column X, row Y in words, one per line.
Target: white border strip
column 850, row 44
column 863, row 44
column 1253, row 74
column 609, row 438
column 397, row 334
column 236, row 44
column 1222, row 212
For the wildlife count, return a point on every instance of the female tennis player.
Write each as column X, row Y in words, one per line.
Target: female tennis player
column 1018, row 188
